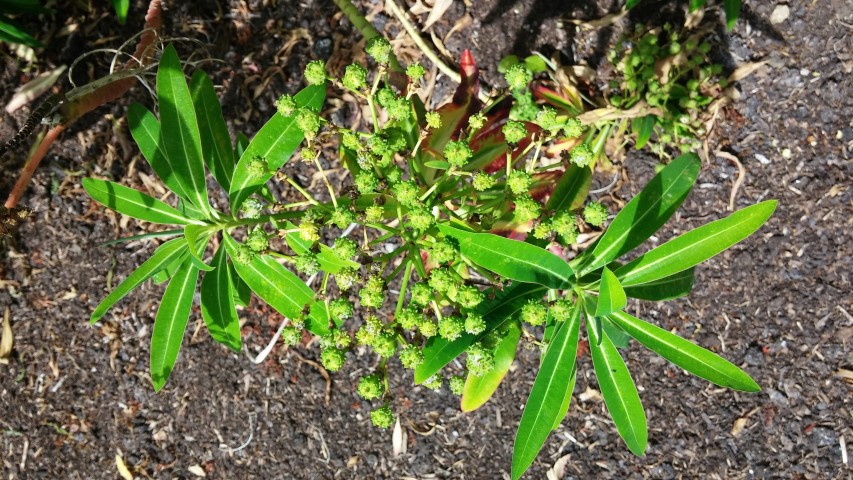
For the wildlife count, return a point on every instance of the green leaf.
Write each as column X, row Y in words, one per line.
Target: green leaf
column 695, row 246
column 513, row 259
column 121, row 8
column 145, row 130
column 686, row 354
column 643, row 128
column 616, row 335
column 242, row 292
column 171, row 322
column 165, row 273
column 274, row 284
column 22, row 6
column 438, row 352
column 318, row 319
column 629, row 4
column 241, row 143
column 732, row 8
column 197, row 237
column 545, row 403
column 275, row 143
column 567, row 398
column 696, row 5
column 478, row 390
column 620, row 394
column 668, row 288
column 133, row 203
column 180, row 134
column 571, row 189
column 11, row 33
column 611, row 297
column 437, row 164
column 163, row 256
column 647, row 212
column 215, row 140
column 217, row 303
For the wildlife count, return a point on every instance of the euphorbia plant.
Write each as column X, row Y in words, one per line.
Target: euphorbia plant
column 432, row 186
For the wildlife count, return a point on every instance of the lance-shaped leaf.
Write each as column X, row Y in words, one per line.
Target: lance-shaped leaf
column 695, row 246
column 571, row 190
column 686, row 354
column 567, row 398
column 215, row 140
column 274, row 143
column 732, row 8
column 179, row 134
column 438, row 352
column 617, row 388
column 647, row 212
column 513, row 259
column 668, row 288
column 217, row 303
column 478, row 390
column 165, row 255
column 171, row 322
column 133, row 203
column 643, row 127
column 197, row 237
column 544, row 405
column 276, row 285
column 611, row 296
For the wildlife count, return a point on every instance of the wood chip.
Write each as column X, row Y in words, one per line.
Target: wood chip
column 738, row 427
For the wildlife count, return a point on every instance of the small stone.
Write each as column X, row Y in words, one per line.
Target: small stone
column 780, row 14
column 761, row 158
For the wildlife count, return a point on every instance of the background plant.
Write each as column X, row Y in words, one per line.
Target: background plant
column 433, row 185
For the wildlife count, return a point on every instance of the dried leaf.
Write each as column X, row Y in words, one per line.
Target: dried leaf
column 6, row 338
column 745, row 70
column 122, row 468
column 437, row 12
column 641, row 109
column 558, row 471
column 398, row 439
column 34, row 88
column 197, row 471
column 600, row 22
column 738, row 427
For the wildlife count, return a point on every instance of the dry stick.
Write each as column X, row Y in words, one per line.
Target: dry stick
column 86, row 103
column 741, row 176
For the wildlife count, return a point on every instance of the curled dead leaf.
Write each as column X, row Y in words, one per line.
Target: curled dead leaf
column 5, row 338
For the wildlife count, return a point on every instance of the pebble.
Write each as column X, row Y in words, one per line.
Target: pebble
column 761, row 158
column 780, row 14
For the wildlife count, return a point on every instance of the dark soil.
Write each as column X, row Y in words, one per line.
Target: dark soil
column 73, row 396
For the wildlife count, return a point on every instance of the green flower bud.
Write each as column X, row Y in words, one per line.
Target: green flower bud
column 308, row 121
column 476, row 121
column 243, row 255
column 427, row 327
column 332, row 359
column 350, row 140
column 257, row 240
column 421, row 295
column 286, row 105
column 561, row 310
column 434, row 382
column 370, row 387
column 408, row 318
column 441, row 280
column 573, row 128
column 475, row 324
column 547, row 119
column 457, row 385
column 308, row 154
column 420, row 218
column 411, row 357
column 306, row 264
column 415, row 71
column 534, row 313
column 399, row 108
column 526, row 208
column 444, row 251
column 372, row 294
column 291, row 336
column 482, row 181
column 382, row 417
column 373, row 213
column 480, row 360
column 257, row 167
column 385, row 345
column 366, row 182
column 394, row 175
column 340, row 309
column 564, row 224
column 406, row 193
column 346, row 278
column 457, row 153
column 315, row 72
column 342, row 218
column 251, row 208
column 595, row 214
column 345, row 248
column 385, row 96
column 355, row 77
column 582, row 155
column 518, row 76
column 380, row 49
column 519, row 182
column 469, row 296
column 450, row 327
column 309, row 231
column 514, row 132
column 543, row 231
column 433, row 120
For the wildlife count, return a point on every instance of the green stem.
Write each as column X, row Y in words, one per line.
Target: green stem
column 403, row 286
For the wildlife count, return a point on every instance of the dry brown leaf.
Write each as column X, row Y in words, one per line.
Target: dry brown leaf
column 738, row 427
column 558, row 471
column 6, row 338
column 197, row 471
column 463, row 22
column 438, row 11
column 590, row 394
column 641, row 109
column 122, row 468
column 34, row 88
column 745, row 70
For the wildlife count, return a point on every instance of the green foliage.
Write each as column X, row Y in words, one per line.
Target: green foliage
column 10, row 32
column 435, row 190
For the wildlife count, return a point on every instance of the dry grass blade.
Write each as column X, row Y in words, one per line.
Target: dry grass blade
column 6, row 339
column 438, row 11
